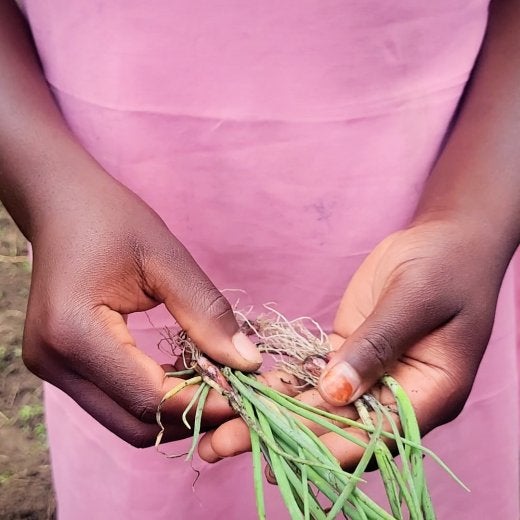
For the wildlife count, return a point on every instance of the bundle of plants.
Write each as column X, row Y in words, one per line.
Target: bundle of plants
column 310, row 479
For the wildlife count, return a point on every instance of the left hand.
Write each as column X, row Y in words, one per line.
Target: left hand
column 420, row 307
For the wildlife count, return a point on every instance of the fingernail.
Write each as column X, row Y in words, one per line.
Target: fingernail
column 339, row 383
column 246, row 348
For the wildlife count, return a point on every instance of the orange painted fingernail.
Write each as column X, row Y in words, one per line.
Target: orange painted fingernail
column 339, row 383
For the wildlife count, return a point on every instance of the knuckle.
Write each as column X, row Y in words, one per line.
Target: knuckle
column 217, row 305
column 379, row 348
column 145, row 409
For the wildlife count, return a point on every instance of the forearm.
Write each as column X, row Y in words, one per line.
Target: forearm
column 39, row 157
column 477, row 177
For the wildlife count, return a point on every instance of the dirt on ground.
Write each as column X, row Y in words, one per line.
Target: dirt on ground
column 25, row 475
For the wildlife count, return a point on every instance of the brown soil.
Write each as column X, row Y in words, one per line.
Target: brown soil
column 25, row 476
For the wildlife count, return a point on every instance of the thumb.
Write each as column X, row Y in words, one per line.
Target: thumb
column 203, row 312
column 401, row 318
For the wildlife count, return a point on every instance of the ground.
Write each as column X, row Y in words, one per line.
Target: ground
column 25, row 476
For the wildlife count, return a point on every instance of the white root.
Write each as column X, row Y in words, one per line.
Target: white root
column 296, row 349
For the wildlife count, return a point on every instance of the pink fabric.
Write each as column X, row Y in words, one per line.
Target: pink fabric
column 280, row 141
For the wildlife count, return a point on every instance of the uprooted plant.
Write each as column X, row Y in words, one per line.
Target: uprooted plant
column 301, row 464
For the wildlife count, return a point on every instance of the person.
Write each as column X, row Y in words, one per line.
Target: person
column 292, row 148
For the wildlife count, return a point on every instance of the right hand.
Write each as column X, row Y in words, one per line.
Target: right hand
column 99, row 253
column 99, row 256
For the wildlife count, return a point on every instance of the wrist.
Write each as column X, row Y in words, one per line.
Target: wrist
column 50, row 183
column 491, row 240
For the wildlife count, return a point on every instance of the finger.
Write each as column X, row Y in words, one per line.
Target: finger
column 101, row 407
column 205, row 449
column 228, row 440
column 114, row 417
column 423, row 382
column 201, row 310
column 346, row 452
column 405, row 313
column 99, row 348
column 233, row 437
column 336, row 341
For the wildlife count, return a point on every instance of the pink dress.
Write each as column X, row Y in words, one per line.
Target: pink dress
column 280, row 140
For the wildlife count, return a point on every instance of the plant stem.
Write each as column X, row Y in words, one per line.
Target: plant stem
column 175, row 390
column 279, row 473
column 198, row 419
column 257, row 464
column 196, row 395
column 362, row 464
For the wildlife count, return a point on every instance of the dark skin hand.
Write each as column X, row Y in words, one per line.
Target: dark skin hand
column 422, row 304
column 99, row 253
